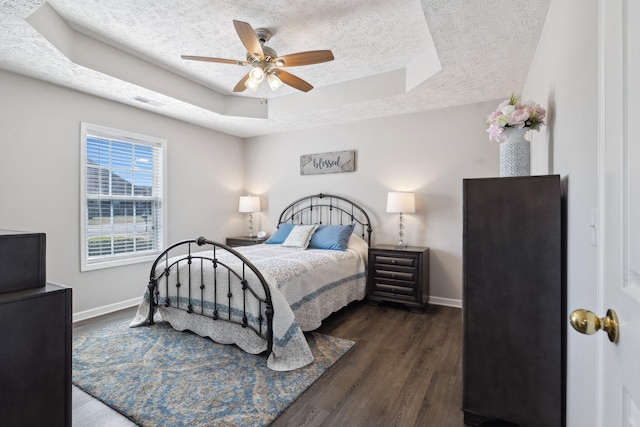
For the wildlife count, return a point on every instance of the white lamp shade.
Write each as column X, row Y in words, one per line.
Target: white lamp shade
column 400, row 202
column 249, row 204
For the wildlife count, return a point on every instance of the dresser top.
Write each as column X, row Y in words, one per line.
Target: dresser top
column 14, row 233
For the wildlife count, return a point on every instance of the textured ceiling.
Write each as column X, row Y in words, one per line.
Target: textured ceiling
column 483, row 49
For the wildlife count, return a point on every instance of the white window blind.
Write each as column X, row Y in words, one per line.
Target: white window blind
column 122, row 192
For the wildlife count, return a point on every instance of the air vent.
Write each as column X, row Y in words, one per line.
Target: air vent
column 148, row 101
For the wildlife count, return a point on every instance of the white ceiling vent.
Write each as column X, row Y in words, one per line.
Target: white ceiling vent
column 148, row 101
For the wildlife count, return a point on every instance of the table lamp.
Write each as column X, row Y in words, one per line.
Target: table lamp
column 401, row 202
column 249, row 204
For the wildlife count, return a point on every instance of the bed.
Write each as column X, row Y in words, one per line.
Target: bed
column 263, row 298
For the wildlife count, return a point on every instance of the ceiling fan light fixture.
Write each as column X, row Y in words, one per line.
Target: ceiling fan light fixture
column 279, row 62
column 251, row 85
column 256, row 75
column 274, row 82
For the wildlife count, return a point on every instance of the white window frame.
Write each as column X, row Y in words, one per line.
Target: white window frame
column 159, row 195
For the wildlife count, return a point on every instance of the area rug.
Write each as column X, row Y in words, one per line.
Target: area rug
column 157, row 376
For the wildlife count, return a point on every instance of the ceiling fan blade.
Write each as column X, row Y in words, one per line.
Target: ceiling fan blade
column 240, row 86
column 293, row 81
column 209, row 59
column 306, row 58
column 249, row 39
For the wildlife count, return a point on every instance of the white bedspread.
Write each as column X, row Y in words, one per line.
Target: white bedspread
column 306, row 286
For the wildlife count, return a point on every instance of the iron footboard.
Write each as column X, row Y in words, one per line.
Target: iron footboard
column 227, row 278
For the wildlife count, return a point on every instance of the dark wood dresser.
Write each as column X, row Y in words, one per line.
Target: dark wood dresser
column 514, row 298
column 399, row 275
column 35, row 336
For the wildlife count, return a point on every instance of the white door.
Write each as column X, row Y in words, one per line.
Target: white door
column 620, row 207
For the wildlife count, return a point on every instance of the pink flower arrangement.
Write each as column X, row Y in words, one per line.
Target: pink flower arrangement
column 515, row 114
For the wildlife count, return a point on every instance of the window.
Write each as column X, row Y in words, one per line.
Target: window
column 122, row 197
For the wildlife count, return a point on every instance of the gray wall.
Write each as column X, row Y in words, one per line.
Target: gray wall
column 428, row 153
column 40, row 185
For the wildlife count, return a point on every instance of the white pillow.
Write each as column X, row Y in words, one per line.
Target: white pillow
column 358, row 244
column 300, row 236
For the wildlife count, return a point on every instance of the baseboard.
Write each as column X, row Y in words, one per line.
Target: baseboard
column 448, row 302
column 106, row 309
column 110, row 308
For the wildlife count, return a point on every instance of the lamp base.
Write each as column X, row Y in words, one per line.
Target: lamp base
column 401, row 244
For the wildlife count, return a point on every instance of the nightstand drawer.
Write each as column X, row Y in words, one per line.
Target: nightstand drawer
column 396, row 260
column 408, row 276
column 381, row 289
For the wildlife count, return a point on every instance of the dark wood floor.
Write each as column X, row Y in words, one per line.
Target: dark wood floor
column 405, row 370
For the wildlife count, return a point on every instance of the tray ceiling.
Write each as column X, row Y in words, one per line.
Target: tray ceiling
column 391, row 56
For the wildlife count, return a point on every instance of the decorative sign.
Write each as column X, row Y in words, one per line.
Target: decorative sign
column 335, row 162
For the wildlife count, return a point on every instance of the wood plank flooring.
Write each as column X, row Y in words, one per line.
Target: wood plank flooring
column 405, row 370
column 87, row 411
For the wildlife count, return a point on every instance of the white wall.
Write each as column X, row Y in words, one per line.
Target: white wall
column 428, row 153
column 563, row 78
column 40, row 181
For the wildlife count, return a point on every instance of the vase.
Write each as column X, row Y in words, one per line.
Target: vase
column 514, row 153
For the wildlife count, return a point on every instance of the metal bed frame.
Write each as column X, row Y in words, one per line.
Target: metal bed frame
column 314, row 209
column 327, row 209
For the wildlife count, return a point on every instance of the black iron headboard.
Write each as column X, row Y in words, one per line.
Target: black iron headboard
column 328, row 209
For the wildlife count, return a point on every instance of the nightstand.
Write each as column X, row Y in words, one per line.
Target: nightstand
column 399, row 275
column 245, row 240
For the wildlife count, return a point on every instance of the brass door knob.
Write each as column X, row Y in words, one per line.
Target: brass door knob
column 586, row 322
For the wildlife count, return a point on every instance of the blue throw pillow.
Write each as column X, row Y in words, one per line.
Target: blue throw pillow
column 281, row 234
column 331, row 237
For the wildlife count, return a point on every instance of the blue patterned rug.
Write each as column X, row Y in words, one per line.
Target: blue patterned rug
column 157, row 376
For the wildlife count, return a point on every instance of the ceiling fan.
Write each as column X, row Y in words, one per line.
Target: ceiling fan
column 265, row 62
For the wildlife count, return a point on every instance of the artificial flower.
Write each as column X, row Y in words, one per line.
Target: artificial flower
column 515, row 114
